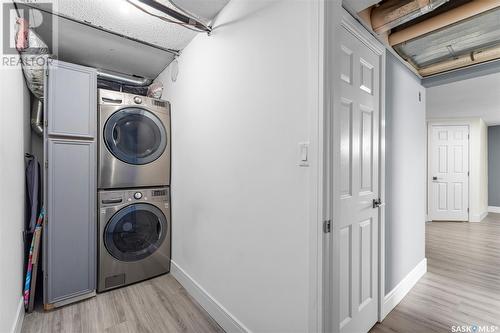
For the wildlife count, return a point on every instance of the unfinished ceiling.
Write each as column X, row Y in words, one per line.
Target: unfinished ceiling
column 115, row 34
column 435, row 36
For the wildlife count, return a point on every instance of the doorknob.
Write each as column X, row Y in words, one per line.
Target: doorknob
column 377, row 203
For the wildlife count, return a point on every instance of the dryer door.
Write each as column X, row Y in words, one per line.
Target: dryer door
column 135, row 232
column 135, row 136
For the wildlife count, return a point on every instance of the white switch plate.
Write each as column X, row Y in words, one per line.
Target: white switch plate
column 303, row 154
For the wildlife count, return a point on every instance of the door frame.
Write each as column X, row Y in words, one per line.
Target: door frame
column 444, row 122
column 331, row 185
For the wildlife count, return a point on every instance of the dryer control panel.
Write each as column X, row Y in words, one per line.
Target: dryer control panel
column 116, row 198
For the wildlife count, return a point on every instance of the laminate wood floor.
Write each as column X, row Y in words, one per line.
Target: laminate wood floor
column 157, row 305
column 462, row 286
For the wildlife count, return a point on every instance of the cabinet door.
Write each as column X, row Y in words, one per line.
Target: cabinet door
column 71, row 100
column 71, row 219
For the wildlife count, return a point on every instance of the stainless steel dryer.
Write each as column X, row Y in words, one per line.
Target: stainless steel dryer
column 134, row 141
column 134, row 236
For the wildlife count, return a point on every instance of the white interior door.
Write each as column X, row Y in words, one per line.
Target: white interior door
column 449, row 173
column 359, row 153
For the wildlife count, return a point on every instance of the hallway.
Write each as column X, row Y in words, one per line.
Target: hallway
column 462, row 285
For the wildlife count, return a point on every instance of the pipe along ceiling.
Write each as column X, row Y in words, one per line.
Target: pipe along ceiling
column 436, row 36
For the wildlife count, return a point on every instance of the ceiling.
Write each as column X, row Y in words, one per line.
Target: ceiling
column 476, row 97
column 436, row 36
column 116, row 35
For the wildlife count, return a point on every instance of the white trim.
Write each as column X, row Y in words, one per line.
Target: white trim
column 18, row 320
column 493, row 209
column 220, row 314
column 361, row 33
column 474, row 218
column 382, row 169
column 397, row 294
column 316, row 187
column 331, row 202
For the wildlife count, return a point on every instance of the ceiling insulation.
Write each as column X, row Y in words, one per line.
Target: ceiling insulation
column 478, row 36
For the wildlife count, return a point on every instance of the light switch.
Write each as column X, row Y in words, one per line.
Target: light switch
column 304, row 154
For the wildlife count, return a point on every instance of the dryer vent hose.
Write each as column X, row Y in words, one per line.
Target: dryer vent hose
column 37, row 116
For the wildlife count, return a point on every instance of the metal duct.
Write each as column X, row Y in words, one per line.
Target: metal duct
column 123, row 78
column 37, row 116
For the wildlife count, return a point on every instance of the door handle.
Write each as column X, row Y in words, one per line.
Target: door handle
column 434, row 178
column 377, row 203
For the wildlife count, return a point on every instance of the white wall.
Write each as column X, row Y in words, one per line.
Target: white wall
column 405, row 173
column 483, row 173
column 14, row 141
column 477, row 97
column 244, row 98
column 478, row 163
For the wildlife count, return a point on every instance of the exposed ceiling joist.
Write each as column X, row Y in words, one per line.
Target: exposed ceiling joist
column 442, row 20
column 465, row 60
column 392, row 13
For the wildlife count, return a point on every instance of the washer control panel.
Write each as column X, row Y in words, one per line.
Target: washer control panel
column 117, row 198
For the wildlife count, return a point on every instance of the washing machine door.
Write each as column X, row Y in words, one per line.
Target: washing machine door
column 135, row 136
column 135, row 232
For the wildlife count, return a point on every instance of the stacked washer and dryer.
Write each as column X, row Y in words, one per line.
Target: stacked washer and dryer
column 134, row 219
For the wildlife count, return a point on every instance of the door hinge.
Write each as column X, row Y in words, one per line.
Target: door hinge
column 467, row 210
column 47, row 71
column 46, row 164
column 468, row 173
column 327, row 226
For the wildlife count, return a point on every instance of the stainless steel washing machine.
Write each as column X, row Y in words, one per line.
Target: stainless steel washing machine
column 134, row 141
column 134, row 236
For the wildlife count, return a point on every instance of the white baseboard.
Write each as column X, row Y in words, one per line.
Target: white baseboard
column 18, row 321
column 478, row 217
column 397, row 294
column 493, row 209
column 222, row 316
